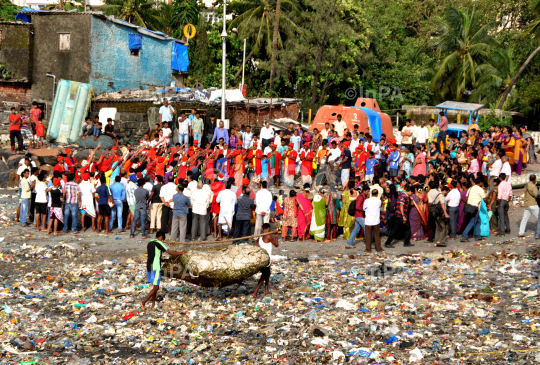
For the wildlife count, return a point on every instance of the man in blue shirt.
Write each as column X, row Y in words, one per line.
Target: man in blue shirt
column 393, row 161
column 118, row 192
column 180, row 213
column 103, row 194
column 221, row 132
column 371, row 164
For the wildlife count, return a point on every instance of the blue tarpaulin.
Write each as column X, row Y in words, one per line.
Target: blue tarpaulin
column 25, row 17
column 180, row 58
column 375, row 123
column 135, row 41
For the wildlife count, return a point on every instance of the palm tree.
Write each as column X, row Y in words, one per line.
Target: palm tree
column 533, row 28
column 65, row 5
column 144, row 13
column 494, row 77
column 461, row 43
column 255, row 23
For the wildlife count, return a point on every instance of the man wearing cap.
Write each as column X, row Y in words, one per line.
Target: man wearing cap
column 255, row 156
column 290, row 165
column 60, row 164
column 70, row 161
column 166, row 113
column 267, row 133
column 360, row 162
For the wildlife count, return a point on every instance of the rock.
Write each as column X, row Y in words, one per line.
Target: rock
column 47, row 168
column 81, row 155
column 106, row 142
column 3, row 166
column 301, row 289
column 47, row 156
column 12, row 181
column 153, row 117
column 13, row 161
column 4, row 179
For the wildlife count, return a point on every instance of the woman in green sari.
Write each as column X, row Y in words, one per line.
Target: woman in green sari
column 318, row 218
column 345, row 220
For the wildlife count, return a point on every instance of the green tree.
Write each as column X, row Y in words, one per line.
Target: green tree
column 462, row 43
column 64, row 5
column 144, row 13
column 532, row 29
column 263, row 23
column 8, row 11
column 494, row 77
column 202, row 63
column 185, row 12
column 325, row 52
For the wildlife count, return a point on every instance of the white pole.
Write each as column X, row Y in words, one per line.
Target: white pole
column 243, row 65
column 223, row 60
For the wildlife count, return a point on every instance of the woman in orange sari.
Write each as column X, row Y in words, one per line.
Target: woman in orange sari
column 239, row 157
column 520, row 155
column 508, row 144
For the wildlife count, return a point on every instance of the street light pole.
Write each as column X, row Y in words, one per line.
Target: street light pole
column 243, row 65
column 223, row 61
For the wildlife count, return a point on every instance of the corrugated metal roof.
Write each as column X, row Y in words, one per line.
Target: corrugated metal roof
column 99, row 14
column 460, row 106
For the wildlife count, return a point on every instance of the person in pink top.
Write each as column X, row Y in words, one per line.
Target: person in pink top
column 419, row 163
column 503, row 198
column 443, row 127
column 474, row 167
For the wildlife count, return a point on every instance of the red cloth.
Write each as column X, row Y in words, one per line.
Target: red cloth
column 71, row 162
column 216, row 187
column 160, row 169
column 59, row 168
column 361, row 159
column 307, row 166
column 290, row 158
column 256, row 161
column 182, row 172
column 14, row 120
column 104, row 165
column 40, row 130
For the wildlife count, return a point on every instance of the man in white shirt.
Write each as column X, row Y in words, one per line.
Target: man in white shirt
column 339, row 126
column 266, row 134
column 414, row 127
column 372, row 209
column 506, row 169
column 334, row 159
column 325, row 131
column 263, row 201
column 200, row 201
column 422, row 134
column 474, row 196
column 184, row 129
column 167, row 132
column 247, row 138
column 227, row 201
column 495, row 169
column 166, row 113
column 166, row 194
column 453, row 199
column 355, row 142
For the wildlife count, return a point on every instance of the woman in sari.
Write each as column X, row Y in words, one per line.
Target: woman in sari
column 417, row 215
column 508, row 144
column 318, row 218
column 290, row 165
column 290, row 216
column 305, row 210
column 520, row 153
column 419, row 167
column 345, row 220
column 317, row 141
column 408, row 160
column 332, row 215
column 238, row 157
column 530, row 144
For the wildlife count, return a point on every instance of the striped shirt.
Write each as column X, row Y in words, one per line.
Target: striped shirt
column 475, row 195
column 403, row 198
column 71, row 190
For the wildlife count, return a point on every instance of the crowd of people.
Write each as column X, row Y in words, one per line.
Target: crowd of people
column 227, row 183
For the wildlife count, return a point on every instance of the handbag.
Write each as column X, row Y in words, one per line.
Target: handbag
column 435, row 209
column 470, row 209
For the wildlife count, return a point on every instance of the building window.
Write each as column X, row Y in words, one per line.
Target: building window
column 65, row 42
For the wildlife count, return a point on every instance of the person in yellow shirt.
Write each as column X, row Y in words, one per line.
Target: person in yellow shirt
column 473, row 125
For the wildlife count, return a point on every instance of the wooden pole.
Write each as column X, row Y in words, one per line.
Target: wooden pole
column 222, row 241
column 309, row 117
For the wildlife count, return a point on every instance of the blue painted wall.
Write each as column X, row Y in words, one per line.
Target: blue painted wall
column 111, row 60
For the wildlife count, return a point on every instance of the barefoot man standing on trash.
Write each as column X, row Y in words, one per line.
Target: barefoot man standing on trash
column 266, row 243
column 153, row 265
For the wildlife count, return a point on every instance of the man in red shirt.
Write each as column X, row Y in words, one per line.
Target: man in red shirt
column 15, row 131
column 275, row 163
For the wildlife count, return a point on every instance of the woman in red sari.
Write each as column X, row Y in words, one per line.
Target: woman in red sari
column 305, row 210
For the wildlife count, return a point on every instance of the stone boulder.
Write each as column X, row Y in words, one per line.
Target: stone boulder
column 48, row 168
column 47, row 155
column 4, row 178
column 81, row 155
column 3, row 166
column 13, row 161
column 106, row 142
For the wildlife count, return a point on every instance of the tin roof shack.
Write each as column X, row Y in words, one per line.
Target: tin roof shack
column 15, row 69
column 108, row 53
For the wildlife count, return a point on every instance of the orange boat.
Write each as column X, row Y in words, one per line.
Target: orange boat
column 366, row 113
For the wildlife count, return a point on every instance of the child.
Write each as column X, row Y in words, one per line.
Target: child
column 154, row 250
column 167, row 132
column 35, row 115
column 266, row 243
column 87, row 127
column 25, row 127
column 55, row 213
column 40, row 134
column 249, row 171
